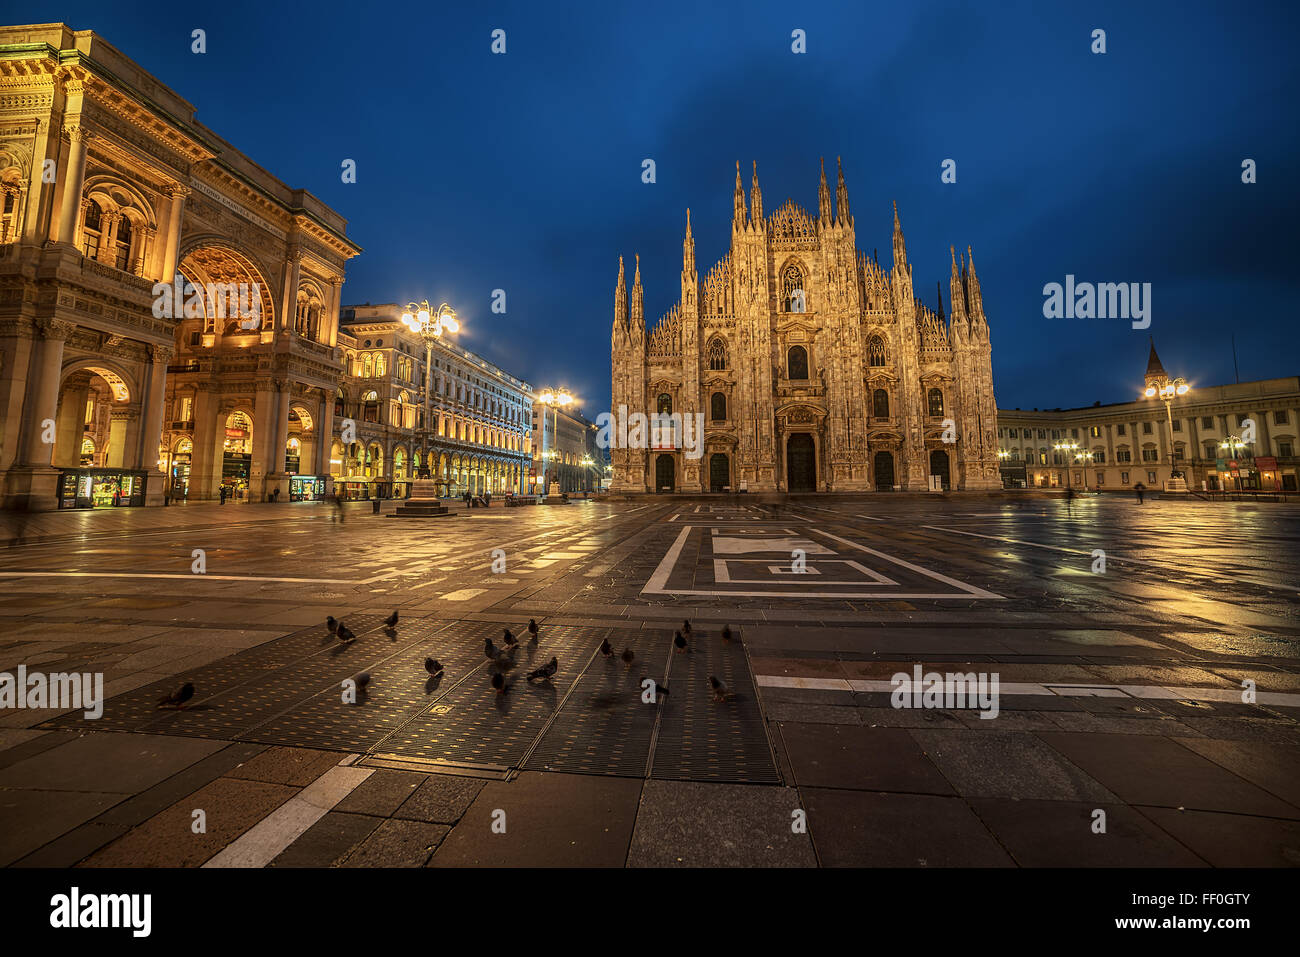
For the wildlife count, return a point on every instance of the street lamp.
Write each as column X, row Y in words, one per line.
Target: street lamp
column 1167, row 391
column 1232, row 445
column 429, row 324
column 553, row 399
column 1070, row 449
column 1083, row 456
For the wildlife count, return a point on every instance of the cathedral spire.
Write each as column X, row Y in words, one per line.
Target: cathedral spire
column 938, row 291
column 620, row 297
column 973, row 289
column 738, row 203
column 688, row 249
column 842, row 197
column 756, row 201
column 900, row 248
column 957, row 291
column 638, row 301
column 824, row 197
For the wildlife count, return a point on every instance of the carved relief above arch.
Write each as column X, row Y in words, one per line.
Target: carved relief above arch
column 236, row 298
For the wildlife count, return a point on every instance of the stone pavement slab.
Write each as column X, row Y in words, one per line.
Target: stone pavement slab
column 110, row 761
column 1163, row 773
column 693, row 824
column 871, row 829
column 552, row 820
column 398, row 843
column 1232, row 840
column 842, row 756
column 32, row 817
column 329, row 841
column 1040, row 833
column 1007, row 764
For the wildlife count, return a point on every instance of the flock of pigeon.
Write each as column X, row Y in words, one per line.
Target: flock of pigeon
column 502, row 660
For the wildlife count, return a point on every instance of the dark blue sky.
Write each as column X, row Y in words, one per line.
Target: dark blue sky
column 523, row 171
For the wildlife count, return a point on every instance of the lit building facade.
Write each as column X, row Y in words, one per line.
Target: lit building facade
column 565, row 453
column 814, row 368
column 1142, row 441
column 111, row 394
column 476, row 433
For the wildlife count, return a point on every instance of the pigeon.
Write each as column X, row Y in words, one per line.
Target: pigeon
column 332, row 624
column 679, row 643
column 686, row 628
column 659, row 689
column 628, row 655
column 607, row 649
column 346, row 634
column 433, row 666
column 489, row 649
column 391, row 621
column 499, row 682
column 509, row 639
column 726, row 633
column 545, row 671
column 178, row 698
column 532, row 630
column 362, row 680
column 720, row 691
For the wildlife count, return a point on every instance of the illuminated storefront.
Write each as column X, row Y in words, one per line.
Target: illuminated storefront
column 237, row 454
column 100, row 488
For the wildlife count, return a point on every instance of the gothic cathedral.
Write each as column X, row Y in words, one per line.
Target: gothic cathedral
column 814, row 368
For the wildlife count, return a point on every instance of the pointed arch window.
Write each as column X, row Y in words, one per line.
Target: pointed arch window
column 796, row 363
column 717, row 355
column 792, row 289
column 876, row 355
column 935, row 402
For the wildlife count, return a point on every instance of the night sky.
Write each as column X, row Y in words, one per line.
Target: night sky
column 523, row 171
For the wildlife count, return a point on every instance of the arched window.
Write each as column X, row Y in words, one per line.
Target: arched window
column 367, row 366
column 665, row 404
column 717, row 355
column 380, row 365
column 792, row 289
column 92, row 229
column 876, row 351
column 935, row 399
column 796, row 363
column 880, row 404
column 370, row 413
column 338, row 402
column 718, row 407
column 122, row 244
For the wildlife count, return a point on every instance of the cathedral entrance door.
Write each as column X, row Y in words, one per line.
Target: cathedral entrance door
column 801, row 463
column 884, row 472
column 665, row 474
column 939, row 466
column 719, row 472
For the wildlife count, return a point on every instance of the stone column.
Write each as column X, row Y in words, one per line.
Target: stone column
column 281, row 427
column 71, row 421
column 330, row 334
column 74, row 180
column 171, row 258
column 43, row 395
column 36, row 187
column 108, row 237
column 209, row 435
column 292, row 277
column 324, row 433
column 264, row 431
column 152, row 408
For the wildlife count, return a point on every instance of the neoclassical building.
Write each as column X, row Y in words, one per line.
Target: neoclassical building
column 112, row 190
column 1204, row 435
column 815, row 368
column 477, row 434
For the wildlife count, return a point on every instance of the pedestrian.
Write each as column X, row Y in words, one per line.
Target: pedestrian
column 223, row 495
column 338, row 507
column 1139, row 488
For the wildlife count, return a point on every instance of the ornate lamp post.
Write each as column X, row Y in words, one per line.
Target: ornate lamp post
column 1071, row 450
column 1233, row 445
column 1167, row 391
column 552, row 399
column 430, row 324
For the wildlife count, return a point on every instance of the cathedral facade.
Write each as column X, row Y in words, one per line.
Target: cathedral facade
column 813, row 367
